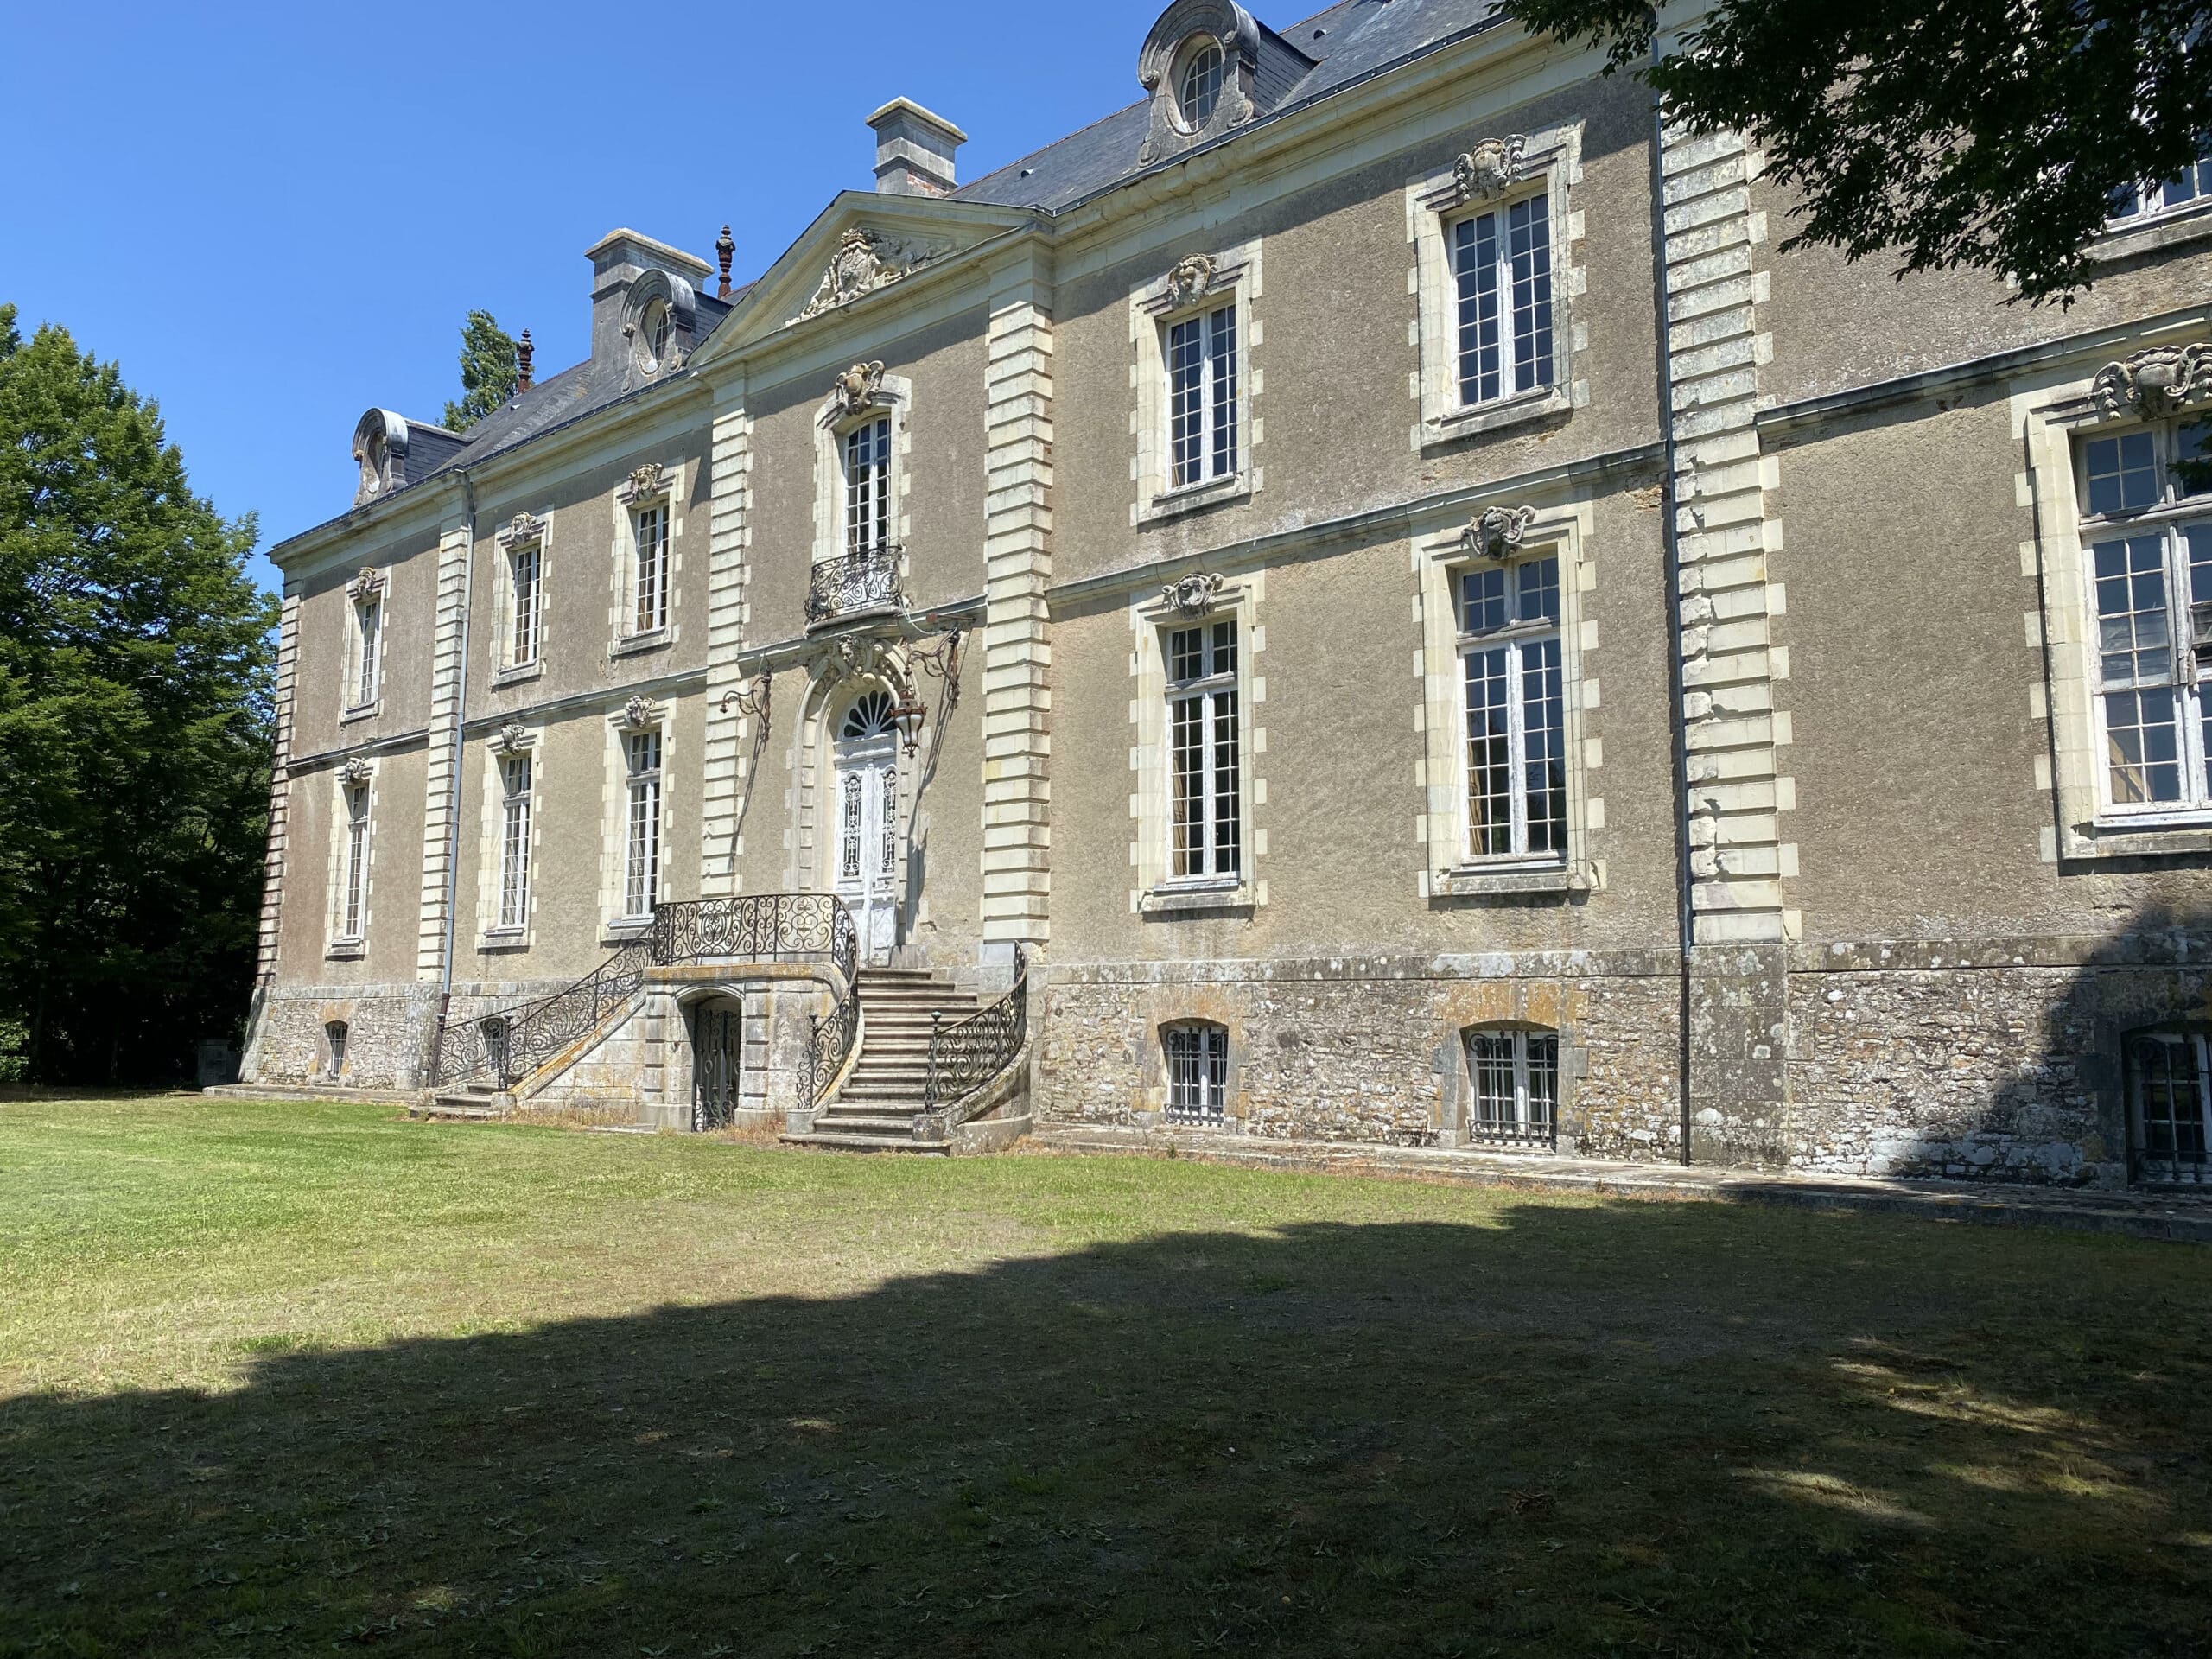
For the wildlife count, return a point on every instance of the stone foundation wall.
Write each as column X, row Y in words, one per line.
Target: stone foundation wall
column 388, row 1031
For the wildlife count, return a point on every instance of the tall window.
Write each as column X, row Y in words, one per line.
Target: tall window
column 353, row 875
column 2193, row 183
column 1198, row 1072
column 2170, row 1089
column 641, row 839
column 867, row 487
column 1517, row 726
column 1205, row 797
column 368, row 649
column 1503, row 261
column 1516, row 1085
column 522, row 568
column 514, row 841
column 2149, row 535
column 649, row 529
column 1201, row 396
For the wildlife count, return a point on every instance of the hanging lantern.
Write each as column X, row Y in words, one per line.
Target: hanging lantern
column 907, row 718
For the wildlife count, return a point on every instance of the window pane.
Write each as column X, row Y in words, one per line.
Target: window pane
column 1490, row 800
column 2131, row 628
column 2123, row 473
column 1188, row 783
column 1186, row 400
column 2197, row 541
column 1489, row 1066
column 1186, row 654
column 2193, row 460
column 1475, row 256
column 1543, row 1083
column 1198, row 1072
column 1532, row 293
column 2143, row 748
column 1226, row 819
column 1482, row 601
column 1225, row 391
column 1539, row 590
column 1544, row 746
column 1225, row 649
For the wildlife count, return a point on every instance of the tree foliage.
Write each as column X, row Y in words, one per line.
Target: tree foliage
column 1982, row 133
column 488, row 372
column 135, row 668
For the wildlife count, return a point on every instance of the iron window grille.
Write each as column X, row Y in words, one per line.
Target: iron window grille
column 1509, row 651
column 1202, row 397
column 1502, row 261
column 514, row 841
column 649, row 536
column 354, row 893
column 867, row 487
column 1197, row 1073
column 1515, row 1079
column 1205, row 789
column 522, row 571
column 334, row 1042
column 2170, row 1108
column 641, row 840
column 2148, row 532
column 368, row 626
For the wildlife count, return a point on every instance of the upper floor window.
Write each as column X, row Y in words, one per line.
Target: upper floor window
column 641, row 824
column 1200, row 87
column 353, row 873
column 524, row 565
column 368, row 649
column 649, row 539
column 2194, row 183
column 1501, row 267
column 1205, row 836
column 515, row 779
column 1514, row 1075
column 2148, row 536
column 1201, row 396
column 1510, row 652
column 867, row 487
column 1198, row 1072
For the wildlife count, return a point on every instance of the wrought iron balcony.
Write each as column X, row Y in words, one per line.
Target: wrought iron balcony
column 854, row 584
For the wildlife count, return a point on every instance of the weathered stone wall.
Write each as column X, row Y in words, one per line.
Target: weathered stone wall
column 388, row 1035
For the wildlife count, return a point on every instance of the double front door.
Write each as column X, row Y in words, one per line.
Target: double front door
column 864, row 847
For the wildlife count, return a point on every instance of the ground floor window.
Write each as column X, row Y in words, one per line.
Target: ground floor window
column 1514, row 1074
column 1197, row 1073
column 2170, row 1106
column 333, row 1048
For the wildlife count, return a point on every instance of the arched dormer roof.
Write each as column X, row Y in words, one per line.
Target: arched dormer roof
column 1255, row 68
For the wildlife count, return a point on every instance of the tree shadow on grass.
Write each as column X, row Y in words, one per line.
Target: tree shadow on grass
column 1622, row 1428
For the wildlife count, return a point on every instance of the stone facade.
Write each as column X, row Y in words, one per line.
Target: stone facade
column 913, row 558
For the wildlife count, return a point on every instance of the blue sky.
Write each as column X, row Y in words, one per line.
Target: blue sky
column 273, row 218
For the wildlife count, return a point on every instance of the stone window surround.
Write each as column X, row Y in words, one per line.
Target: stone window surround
column 1233, row 273
column 1165, row 1013
column 372, row 586
column 2056, row 422
column 1437, row 559
column 891, row 394
column 1157, row 894
column 638, row 714
column 491, row 864
column 526, row 529
column 652, row 483
column 1456, row 1111
column 338, row 945
column 1549, row 162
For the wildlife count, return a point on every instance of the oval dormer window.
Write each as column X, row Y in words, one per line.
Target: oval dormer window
column 653, row 336
column 1198, row 88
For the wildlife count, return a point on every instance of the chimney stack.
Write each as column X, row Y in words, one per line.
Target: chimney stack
column 914, row 151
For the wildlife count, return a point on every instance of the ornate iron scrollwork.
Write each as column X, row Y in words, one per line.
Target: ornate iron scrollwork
column 968, row 1053
column 854, row 583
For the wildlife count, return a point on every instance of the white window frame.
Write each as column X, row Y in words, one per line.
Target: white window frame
column 1196, row 288
column 871, row 505
column 1205, row 354
column 1514, row 377
column 1546, row 163
column 521, row 612
column 518, row 780
column 353, row 858
column 892, row 399
column 1199, row 853
column 1195, row 1057
column 645, row 597
column 1513, row 1098
column 644, row 808
column 1516, row 637
column 2143, row 210
column 649, row 570
column 365, row 646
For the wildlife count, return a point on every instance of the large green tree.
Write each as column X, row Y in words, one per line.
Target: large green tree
column 135, row 701
column 1983, row 133
column 488, row 372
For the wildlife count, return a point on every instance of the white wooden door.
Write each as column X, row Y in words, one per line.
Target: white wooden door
column 865, row 847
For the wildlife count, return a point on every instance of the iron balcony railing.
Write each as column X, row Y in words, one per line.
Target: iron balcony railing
column 968, row 1053
column 855, row 583
column 756, row 927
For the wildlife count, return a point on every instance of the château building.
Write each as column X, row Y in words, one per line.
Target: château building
column 1358, row 597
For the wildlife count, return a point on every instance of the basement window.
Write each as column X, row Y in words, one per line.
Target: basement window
column 1514, row 1074
column 1198, row 1072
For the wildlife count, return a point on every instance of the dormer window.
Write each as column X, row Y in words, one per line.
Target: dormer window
column 1198, row 88
column 654, row 331
column 380, row 442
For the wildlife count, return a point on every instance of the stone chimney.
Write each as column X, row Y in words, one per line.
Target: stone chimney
column 913, row 149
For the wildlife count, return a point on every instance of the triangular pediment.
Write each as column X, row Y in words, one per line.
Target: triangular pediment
column 862, row 245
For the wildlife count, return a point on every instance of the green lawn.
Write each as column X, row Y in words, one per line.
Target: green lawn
column 281, row 1378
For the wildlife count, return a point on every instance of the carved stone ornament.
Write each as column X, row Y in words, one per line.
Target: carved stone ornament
column 2155, row 382
column 1193, row 595
column 1496, row 532
column 849, row 658
column 858, row 388
column 513, row 738
column 865, row 261
column 355, row 772
column 368, row 584
column 522, row 530
column 641, row 715
column 646, row 482
column 1190, row 281
column 1490, row 168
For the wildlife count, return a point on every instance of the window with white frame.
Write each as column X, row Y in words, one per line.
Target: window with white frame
column 515, row 781
column 641, row 824
column 1202, row 397
column 2170, row 1106
column 649, row 564
column 1198, row 1072
column 524, row 565
column 1205, row 784
column 1514, row 706
column 353, row 861
column 1502, row 270
column 867, row 487
column 368, row 649
column 2193, row 183
column 1513, row 1076
column 2147, row 538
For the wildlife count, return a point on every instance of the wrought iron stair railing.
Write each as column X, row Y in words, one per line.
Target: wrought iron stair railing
column 513, row 1043
column 968, row 1053
column 854, row 583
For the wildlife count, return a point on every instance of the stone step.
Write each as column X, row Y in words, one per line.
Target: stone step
column 834, row 1141
column 864, row 1122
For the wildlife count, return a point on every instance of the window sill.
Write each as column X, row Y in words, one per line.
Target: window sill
column 366, row 711
column 517, row 674
column 1470, row 419
column 626, row 930
column 1194, row 498
column 345, row 950
column 636, row 644
column 2152, row 836
column 2152, row 233
column 504, row 938
column 1189, row 897
column 1508, row 878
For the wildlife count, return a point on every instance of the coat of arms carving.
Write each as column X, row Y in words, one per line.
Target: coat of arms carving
column 2155, row 382
column 1190, row 281
column 1496, row 532
column 1490, row 168
column 1192, row 596
column 858, row 388
column 865, row 261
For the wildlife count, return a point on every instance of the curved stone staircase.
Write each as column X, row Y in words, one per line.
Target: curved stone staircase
column 875, row 1110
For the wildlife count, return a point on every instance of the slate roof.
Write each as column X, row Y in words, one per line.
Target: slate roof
column 1352, row 40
